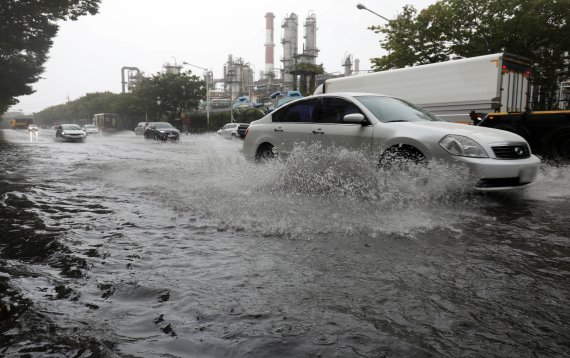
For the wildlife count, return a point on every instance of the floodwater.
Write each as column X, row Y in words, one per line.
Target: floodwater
column 126, row 247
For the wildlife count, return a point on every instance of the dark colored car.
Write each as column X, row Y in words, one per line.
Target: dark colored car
column 241, row 129
column 161, row 131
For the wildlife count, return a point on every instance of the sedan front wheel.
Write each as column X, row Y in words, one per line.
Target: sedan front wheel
column 401, row 158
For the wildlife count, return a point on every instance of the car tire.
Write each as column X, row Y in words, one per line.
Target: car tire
column 265, row 153
column 401, row 158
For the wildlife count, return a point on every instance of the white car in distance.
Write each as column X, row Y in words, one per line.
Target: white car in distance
column 90, row 129
column 393, row 130
column 229, row 130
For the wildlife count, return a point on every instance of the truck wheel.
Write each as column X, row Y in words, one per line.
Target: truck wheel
column 265, row 153
column 400, row 158
column 559, row 144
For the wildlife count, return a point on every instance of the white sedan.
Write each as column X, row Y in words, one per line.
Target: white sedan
column 394, row 130
column 90, row 129
column 229, row 130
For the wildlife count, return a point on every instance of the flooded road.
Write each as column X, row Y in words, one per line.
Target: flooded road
column 126, row 247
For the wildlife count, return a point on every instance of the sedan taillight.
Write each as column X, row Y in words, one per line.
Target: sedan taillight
column 246, row 130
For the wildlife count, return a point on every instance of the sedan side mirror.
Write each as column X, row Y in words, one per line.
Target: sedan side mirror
column 356, row 118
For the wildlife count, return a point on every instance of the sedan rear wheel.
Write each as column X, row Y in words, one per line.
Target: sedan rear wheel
column 265, row 153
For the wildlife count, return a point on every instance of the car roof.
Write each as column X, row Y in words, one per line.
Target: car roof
column 347, row 94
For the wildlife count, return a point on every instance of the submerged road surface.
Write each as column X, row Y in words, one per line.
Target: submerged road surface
column 126, row 247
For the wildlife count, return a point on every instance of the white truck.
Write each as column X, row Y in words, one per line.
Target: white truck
column 451, row 89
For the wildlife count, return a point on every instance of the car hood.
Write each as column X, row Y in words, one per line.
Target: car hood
column 480, row 134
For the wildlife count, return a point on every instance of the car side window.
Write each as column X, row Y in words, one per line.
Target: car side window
column 297, row 112
column 333, row 110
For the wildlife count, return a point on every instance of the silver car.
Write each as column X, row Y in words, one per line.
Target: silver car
column 70, row 133
column 91, row 129
column 229, row 130
column 393, row 130
column 141, row 126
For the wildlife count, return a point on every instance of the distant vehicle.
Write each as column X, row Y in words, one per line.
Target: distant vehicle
column 230, row 130
column 107, row 122
column 90, row 129
column 242, row 129
column 21, row 123
column 33, row 128
column 161, row 131
column 393, row 131
column 139, row 129
column 70, row 133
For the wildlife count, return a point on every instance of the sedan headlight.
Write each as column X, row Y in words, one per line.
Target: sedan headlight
column 462, row 146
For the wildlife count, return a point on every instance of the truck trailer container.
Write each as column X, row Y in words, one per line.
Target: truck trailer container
column 451, row 89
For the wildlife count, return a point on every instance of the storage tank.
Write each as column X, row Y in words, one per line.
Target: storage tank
column 289, row 41
column 311, row 50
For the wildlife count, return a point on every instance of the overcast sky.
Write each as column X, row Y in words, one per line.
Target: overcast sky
column 88, row 54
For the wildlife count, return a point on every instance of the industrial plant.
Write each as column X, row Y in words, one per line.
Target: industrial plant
column 297, row 69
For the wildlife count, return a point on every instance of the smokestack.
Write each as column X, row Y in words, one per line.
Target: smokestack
column 269, row 45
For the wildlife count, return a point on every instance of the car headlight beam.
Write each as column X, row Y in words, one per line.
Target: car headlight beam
column 462, row 146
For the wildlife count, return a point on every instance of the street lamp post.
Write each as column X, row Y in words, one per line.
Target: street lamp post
column 207, row 91
column 361, row 6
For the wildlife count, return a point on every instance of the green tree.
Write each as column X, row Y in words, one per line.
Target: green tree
column 536, row 29
column 168, row 95
column 27, row 29
column 162, row 96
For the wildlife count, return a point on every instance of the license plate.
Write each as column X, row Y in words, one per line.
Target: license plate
column 527, row 175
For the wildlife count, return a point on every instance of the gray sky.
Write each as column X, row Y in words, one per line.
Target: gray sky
column 88, row 54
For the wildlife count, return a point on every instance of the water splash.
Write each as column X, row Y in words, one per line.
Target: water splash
column 323, row 191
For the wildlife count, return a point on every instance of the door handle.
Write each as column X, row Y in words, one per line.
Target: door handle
column 279, row 129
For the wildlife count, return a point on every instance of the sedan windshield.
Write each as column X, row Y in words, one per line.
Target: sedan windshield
column 70, row 127
column 389, row 109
